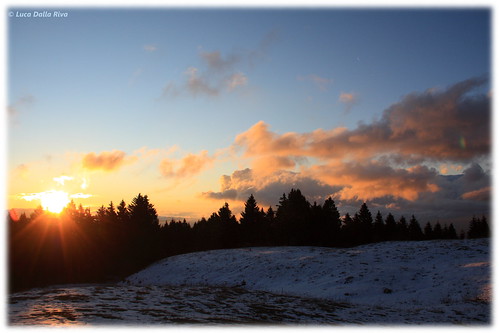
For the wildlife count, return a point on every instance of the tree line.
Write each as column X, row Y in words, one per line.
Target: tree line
column 77, row 246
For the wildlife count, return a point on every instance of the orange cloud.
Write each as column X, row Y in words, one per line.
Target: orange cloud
column 188, row 166
column 106, row 161
column 431, row 126
column 259, row 140
column 482, row 194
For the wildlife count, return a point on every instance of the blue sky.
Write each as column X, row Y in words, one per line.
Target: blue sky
column 175, row 82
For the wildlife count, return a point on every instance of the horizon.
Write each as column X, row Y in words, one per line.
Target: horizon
column 391, row 107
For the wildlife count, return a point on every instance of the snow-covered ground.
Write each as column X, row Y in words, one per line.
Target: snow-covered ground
column 430, row 282
column 403, row 275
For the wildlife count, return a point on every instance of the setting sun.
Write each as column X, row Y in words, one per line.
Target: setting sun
column 54, row 201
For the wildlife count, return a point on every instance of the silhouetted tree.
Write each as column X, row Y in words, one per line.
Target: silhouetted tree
column 142, row 213
column 378, row 228
column 365, row 224
column 451, row 232
column 253, row 225
column 437, row 231
column 428, row 231
column 402, row 232
column 478, row 228
column 122, row 214
column 414, row 229
column 390, row 227
column 332, row 223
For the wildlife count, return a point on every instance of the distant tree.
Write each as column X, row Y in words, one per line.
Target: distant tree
column 378, row 228
column 122, row 213
column 70, row 211
column 390, row 227
column 100, row 215
column 428, row 231
column 111, row 215
column 437, row 231
column 365, row 224
column 253, row 224
column 38, row 212
column 478, row 228
column 484, row 227
column 229, row 228
column 402, row 231
column 414, row 229
column 293, row 219
column 270, row 215
column 142, row 213
column 332, row 223
column 451, row 232
column 348, row 230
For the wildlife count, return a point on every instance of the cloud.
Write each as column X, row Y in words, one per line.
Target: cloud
column 370, row 180
column 425, row 127
column 190, row 165
column 242, row 183
column 21, row 103
column 260, row 140
column 106, row 161
column 482, row 194
column 61, row 179
column 218, row 73
column 322, row 83
column 199, row 85
column 236, row 80
column 401, row 160
column 217, row 63
column 22, row 171
column 150, row 47
column 349, row 99
column 80, row 196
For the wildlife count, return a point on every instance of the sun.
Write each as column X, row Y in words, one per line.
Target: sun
column 54, row 201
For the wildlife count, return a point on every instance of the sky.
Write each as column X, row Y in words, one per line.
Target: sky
column 198, row 107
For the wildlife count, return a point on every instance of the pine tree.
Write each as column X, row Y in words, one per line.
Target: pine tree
column 452, row 234
column 390, row 227
column 122, row 214
column 252, row 223
column 229, row 237
column 414, row 229
column 428, row 231
column 402, row 232
column 437, row 231
column 111, row 214
column 294, row 216
column 332, row 223
column 143, row 213
column 378, row 228
column 365, row 220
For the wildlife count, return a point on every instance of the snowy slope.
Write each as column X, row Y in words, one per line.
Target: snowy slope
column 391, row 274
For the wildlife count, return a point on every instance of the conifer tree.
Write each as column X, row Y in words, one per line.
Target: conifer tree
column 332, row 223
column 414, row 229
column 390, row 227
column 452, row 234
column 378, row 228
column 252, row 223
column 402, row 232
column 428, row 231
column 437, row 231
column 122, row 214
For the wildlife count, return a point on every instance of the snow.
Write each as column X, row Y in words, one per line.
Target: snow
column 392, row 283
column 396, row 274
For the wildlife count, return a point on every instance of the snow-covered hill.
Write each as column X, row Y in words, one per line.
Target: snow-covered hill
column 452, row 273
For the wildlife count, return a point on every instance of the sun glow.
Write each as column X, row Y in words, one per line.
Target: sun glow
column 53, row 201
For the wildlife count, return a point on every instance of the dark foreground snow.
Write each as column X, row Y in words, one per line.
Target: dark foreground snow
column 431, row 282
